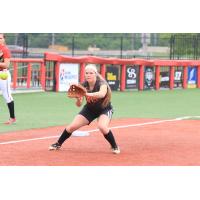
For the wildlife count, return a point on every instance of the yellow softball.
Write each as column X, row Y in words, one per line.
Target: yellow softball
column 3, row 75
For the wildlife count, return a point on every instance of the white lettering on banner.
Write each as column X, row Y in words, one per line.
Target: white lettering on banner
column 165, row 78
column 131, row 81
column 131, row 73
column 68, row 74
column 177, row 76
column 111, row 82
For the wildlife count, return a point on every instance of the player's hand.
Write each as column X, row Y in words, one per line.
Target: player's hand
column 76, row 91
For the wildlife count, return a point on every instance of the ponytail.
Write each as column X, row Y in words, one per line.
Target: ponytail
column 107, row 98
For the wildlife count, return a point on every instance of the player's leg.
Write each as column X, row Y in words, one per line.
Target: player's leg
column 103, row 123
column 6, row 92
column 77, row 123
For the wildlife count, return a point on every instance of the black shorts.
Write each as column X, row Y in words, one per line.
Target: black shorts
column 90, row 115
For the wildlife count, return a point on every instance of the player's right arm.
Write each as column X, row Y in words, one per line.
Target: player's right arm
column 79, row 101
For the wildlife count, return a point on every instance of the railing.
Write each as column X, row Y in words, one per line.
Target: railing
column 27, row 73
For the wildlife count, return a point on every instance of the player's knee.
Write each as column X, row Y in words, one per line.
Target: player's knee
column 70, row 129
column 102, row 128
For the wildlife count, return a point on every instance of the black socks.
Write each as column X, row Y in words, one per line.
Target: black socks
column 110, row 138
column 64, row 136
column 11, row 109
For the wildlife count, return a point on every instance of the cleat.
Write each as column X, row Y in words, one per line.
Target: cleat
column 55, row 146
column 10, row 121
column 115, row 150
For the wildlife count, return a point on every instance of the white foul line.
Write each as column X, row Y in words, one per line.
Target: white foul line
column 114, row 127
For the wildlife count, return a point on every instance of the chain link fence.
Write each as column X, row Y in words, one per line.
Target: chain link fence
column 120, row 45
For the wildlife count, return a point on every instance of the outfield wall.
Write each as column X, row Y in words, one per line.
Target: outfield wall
column 125, row 74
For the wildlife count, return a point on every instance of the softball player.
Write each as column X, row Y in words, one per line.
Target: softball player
column 5, row 84
column 98, row 106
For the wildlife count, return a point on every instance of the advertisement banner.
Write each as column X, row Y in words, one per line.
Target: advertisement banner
column 68, row 74
column 112, row 77
column 192, row 77
column 131, row 77
column 178, row 78
column 164, row 79
column 149, row 78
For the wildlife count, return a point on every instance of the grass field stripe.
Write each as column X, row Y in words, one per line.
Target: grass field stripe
column 114, row 127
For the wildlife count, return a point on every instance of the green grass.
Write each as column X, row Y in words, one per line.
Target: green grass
column 157, row 104
column 39, row 110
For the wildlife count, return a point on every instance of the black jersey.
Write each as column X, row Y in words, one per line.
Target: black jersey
column 96, row 106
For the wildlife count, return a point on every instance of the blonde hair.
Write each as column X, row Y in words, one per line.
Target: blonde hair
column 107, row 98
column 92, row 67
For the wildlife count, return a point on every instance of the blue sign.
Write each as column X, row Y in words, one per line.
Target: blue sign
column 192, row 75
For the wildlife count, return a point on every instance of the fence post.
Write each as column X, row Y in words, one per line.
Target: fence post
column 121, row 49
column 141, row 75
column 56, row 75
column 42, row 75
column 82, row 72
column 72, row 45
column 15, row 75
column 103, row 70
column 198, row 76
column 29, row 75
column 171, row 80
column 123, row 77
column 185, row 76
column 157, row 77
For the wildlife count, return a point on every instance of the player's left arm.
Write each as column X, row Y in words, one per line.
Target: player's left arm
column 100, row 94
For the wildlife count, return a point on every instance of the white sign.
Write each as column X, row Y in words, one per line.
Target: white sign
column 68, row 74
column 177, row 76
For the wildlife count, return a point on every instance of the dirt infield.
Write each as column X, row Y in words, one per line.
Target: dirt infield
column 143, row 142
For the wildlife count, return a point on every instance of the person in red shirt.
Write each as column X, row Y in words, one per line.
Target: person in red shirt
column 5, row 84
